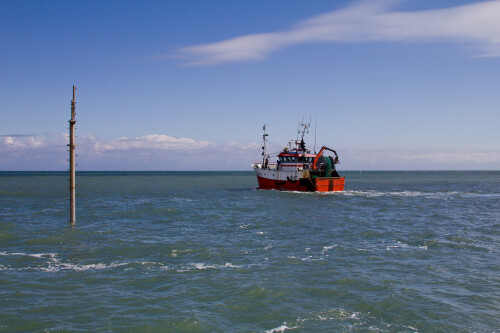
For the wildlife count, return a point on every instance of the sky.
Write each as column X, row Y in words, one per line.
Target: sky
column 188, row 85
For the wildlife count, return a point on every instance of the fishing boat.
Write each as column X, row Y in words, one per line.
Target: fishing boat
column 296, row 168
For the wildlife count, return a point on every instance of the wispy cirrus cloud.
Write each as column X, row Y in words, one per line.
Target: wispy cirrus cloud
column 475, row 25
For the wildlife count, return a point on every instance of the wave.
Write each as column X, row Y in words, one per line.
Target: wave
column 325, row 252
column 308, row 258
column 49, row 262
column 459, row 244
column 201, row 266
column 343, row 320
column 34, row 255
column 326, row 248
column 282, row 328
column 78, row 267
column 410, row 194
column 376, row 193
column 399, row 244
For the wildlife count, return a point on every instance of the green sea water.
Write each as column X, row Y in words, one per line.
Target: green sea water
column 208, row 252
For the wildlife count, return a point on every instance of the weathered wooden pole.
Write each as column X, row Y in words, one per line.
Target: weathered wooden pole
column 72, row 122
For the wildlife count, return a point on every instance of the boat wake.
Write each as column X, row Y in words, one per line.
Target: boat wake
column 403, row 194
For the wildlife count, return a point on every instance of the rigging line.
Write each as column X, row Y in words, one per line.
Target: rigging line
column 274, row 144
column 315, row 126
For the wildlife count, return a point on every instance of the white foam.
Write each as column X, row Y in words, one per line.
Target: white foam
column 352, row 319
column 182, row 199
column 326, row 248
column 374, row 193
column 34, row 255
column 308, row 258
column 282, row 328
column 401, row 245
column 76, row 267
column 202, row 266
column 397, row 245
column 433, row 195
column 56, row 265
column 482, row 195
column 150, row 263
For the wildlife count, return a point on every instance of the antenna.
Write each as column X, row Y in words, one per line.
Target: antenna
column 298, row 130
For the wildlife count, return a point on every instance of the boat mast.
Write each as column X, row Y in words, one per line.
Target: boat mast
column 304, row 131
column 264, row 152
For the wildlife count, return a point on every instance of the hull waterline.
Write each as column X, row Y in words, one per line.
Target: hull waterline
column 323, row 184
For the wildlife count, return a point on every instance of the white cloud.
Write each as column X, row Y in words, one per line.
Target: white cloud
column 15, row 142
column 475, row 24
column 163, row 152
column 237, row 145
column 148, row 152
column 149, row 142
column 33, row 152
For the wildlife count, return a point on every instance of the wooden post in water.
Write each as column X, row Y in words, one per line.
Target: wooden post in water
column 72, row 122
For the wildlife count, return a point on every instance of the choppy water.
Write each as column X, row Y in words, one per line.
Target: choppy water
column 206, row 252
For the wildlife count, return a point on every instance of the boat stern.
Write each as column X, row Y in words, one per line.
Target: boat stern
column 329, row 184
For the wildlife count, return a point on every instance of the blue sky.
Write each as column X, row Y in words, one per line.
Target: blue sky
column 187, row 85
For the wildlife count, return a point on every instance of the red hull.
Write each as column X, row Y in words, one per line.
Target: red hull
column 330, row 184
column 322, row 184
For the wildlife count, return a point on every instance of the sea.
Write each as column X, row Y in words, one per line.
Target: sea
column 397, row 251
